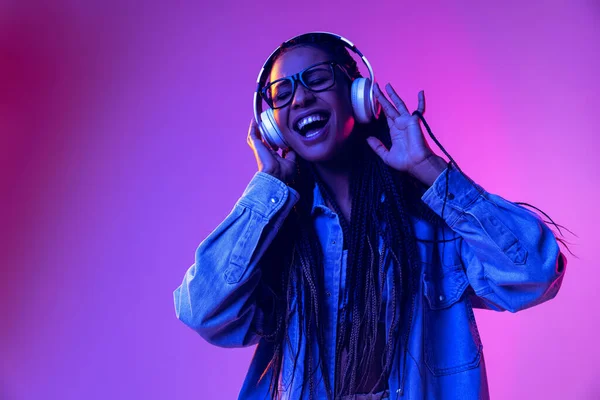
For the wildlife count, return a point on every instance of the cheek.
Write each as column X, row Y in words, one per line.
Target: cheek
column 345, row 126
column 281, row 120
column 346, row 114
column 349, row 125
column 345, row 103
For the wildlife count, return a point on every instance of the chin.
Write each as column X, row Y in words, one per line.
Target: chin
column 327, row 149
column 318, row 155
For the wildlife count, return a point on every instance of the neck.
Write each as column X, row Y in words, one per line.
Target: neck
column 335, row 173
column 337, row 180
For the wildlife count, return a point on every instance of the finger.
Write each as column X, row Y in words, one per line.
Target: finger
column 254, row 135
column 421, row 107
column 254, row 141
column 396, row 99
column 388, row 108
column 290, row 155
column 378, row 148
column 253, row 132
column 390, row 121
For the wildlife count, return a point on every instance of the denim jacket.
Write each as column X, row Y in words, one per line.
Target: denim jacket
column 506, row 258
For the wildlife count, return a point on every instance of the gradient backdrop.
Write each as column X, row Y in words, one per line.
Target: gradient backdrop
column 123, row 144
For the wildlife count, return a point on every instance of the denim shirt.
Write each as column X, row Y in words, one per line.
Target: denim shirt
column 505, row 258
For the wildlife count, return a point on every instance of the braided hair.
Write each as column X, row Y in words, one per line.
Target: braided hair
column 295, row 258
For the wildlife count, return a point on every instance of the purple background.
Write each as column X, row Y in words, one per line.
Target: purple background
column 123, row 134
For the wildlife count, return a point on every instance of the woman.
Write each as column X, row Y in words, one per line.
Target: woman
column 355, row 258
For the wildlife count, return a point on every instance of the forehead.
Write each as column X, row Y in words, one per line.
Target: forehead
column 295, row 60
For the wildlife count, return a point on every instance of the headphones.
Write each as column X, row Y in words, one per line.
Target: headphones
column 364, row 105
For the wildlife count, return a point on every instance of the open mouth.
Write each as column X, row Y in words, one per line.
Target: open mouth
column 312, row 124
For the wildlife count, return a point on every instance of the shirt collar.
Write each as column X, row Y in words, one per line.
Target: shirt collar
column 318, row 201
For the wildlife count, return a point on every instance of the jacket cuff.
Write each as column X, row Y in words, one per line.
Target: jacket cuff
column 266, row 195
column 461, row 194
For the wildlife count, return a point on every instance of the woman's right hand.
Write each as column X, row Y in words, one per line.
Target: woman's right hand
column 268, row 160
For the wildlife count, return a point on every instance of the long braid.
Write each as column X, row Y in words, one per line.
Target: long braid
column 312, row 266
column 362, row 201
column 365, row 270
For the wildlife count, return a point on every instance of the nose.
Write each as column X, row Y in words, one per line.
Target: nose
column 302, row 97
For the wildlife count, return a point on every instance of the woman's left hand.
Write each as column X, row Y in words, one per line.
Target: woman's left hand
column 409, row 152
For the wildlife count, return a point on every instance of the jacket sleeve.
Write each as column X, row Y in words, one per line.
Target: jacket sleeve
column 217, row 297
column 511, row 256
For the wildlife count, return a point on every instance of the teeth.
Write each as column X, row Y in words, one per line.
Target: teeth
column 311, row 118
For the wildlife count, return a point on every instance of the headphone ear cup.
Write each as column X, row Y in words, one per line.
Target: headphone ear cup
column 270, row 131
column 361, row 101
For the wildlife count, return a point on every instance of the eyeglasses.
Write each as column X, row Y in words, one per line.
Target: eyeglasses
column 317, row 78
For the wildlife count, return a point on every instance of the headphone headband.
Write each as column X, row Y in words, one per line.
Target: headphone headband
column 347, row 43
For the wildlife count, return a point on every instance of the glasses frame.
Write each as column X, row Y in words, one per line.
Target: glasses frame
column 297, row 77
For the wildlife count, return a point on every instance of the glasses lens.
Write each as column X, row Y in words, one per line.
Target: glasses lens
column 319, row 77
column 279, row 93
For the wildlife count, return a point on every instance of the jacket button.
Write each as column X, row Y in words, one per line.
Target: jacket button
column 450, row 196
column 273, row 200
column 328, row 293
column 441, row 298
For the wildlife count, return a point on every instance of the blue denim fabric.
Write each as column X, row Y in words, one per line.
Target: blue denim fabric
column 506, row 259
